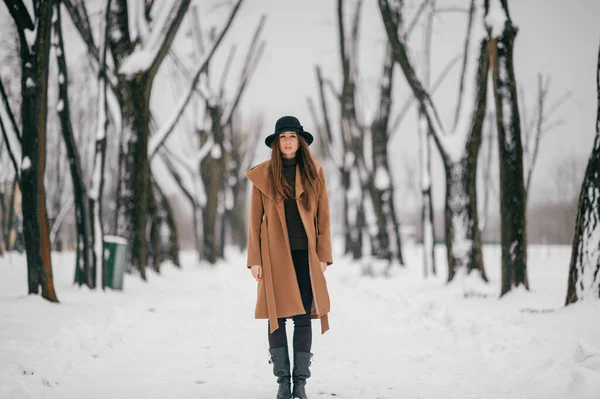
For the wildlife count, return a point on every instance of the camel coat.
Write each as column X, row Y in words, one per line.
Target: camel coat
column 278, row 293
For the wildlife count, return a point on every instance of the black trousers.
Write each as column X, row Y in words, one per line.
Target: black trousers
column 302, row 340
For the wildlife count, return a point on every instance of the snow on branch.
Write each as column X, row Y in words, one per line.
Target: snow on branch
column 149, row 53
column 496, row 18
column 161, row 136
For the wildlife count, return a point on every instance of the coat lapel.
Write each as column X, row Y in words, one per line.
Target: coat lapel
column 259, row 176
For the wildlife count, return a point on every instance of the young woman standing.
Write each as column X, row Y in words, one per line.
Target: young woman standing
column 289, row 248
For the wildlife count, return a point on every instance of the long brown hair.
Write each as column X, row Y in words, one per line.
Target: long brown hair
column 308, row 172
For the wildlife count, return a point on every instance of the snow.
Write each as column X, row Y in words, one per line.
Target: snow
column 115, row 239
column 145, row 54
column 29, row 83
column 139, row 61
column 133, row 8
column 382, row 179
column 174, row 336
column 61, row 78
column 215, row 152
column 60, row 106
column 26, row 163
column 495, row 18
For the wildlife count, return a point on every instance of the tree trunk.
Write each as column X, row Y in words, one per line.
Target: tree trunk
column 512, row 191
column 427, row 226
column 427, row 223
column 155, row 249
column 212, row 170
column 463, row 237
column 163, row 246
column 10, row 219
column 85, row 238
column 172, row 252
column 584, row 272
column 34, row 88
column 2, row 217
column 136, row 179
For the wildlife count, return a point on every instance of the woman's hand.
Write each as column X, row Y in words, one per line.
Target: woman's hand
column 256, row 272
column 323, row 266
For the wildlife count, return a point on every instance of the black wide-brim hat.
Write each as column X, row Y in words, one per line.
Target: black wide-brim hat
column 288, row 124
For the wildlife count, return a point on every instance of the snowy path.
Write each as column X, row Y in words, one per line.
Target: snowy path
column 191, row 334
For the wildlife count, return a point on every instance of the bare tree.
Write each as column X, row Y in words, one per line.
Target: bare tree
column 502, row 32
column 459, row 151
column 536, row 128
column 215, row 166
column 366, row 177
column 35, row 49
column 584, row 272
column 138, row 46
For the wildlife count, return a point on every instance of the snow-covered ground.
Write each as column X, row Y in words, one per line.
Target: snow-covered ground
column 190, row 333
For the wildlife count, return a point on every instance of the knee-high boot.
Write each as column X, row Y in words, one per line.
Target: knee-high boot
column 300, row 373
column 280, row 359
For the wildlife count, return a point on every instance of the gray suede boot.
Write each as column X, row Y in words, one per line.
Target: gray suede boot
column 301, row 372
column 280, row 359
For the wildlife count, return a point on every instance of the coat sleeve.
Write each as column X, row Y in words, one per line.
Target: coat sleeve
column 254, row 226
column 323, row 226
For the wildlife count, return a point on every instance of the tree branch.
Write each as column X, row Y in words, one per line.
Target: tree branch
column 401, row 56
column 464, row 65
column 172, row 26
column 11, row 142
column 324, row 108
column 409, row 102
column 20, row 15
column 79, row 16
column 246, row 77
column 158, row 140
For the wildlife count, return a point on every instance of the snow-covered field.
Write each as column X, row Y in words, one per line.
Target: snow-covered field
column 190, row 333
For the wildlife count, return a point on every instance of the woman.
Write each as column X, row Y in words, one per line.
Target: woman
column 289, row 248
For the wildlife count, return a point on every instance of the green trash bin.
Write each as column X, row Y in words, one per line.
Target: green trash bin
column 115, row 259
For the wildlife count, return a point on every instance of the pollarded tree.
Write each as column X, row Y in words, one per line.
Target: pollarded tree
column 459, row 150
column 584, row 272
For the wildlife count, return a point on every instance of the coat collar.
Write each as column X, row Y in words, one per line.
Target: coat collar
column 259, row 176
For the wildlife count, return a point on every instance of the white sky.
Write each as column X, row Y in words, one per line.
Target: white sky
column 556, row 37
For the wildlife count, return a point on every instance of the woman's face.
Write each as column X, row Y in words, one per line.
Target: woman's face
column 288, row 144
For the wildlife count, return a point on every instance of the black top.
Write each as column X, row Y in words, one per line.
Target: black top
column 296, row 233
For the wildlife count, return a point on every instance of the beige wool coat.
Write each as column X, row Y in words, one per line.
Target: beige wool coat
column 278, row 294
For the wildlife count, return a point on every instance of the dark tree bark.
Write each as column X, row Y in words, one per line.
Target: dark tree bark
column 10, row 220
column 34, row 107
column 172, row 244
column 84, row 259
column 212, row 169
column 512, row 190
column 382, row 187
column 584, row 272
